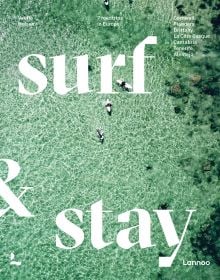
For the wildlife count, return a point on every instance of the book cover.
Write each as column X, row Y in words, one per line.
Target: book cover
column 109, row 140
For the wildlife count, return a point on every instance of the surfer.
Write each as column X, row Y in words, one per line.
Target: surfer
column 106, row 4
column 124, row 85
column 100, row 134
column 108, row 106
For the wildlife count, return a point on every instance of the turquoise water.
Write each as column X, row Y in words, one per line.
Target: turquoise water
column 54, row 140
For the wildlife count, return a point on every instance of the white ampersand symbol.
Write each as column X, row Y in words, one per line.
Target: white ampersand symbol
column 5, row 192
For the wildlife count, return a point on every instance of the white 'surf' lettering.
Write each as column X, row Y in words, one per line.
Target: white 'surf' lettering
column 82, row 64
